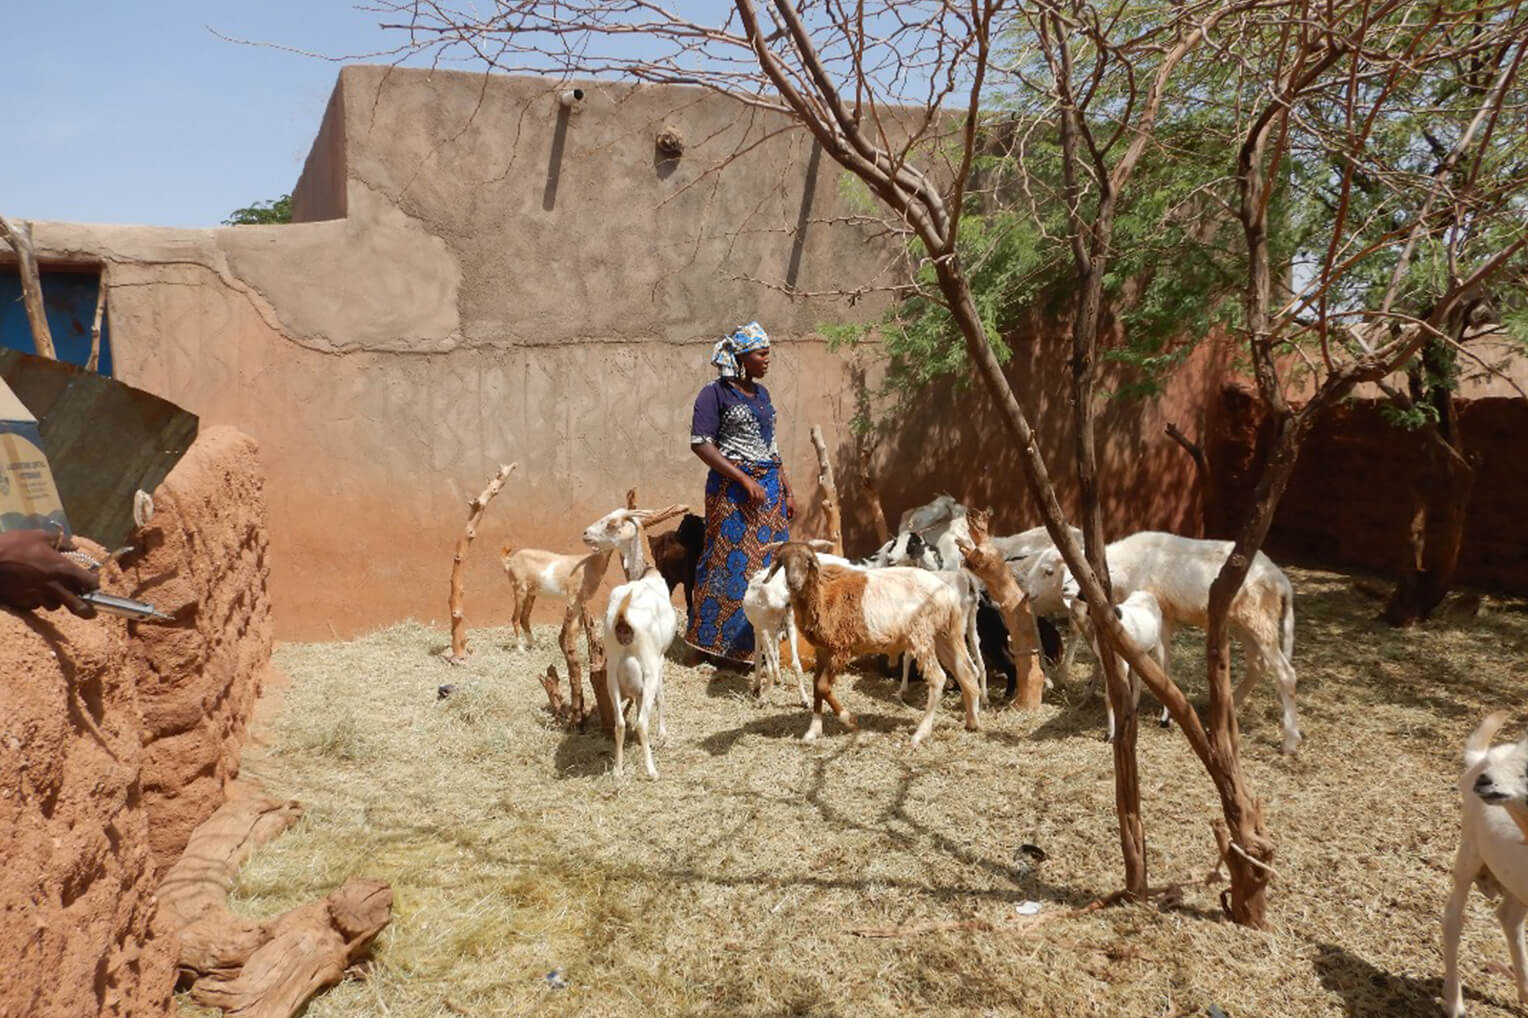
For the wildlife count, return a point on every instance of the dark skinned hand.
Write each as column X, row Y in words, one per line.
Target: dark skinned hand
column 34, row 574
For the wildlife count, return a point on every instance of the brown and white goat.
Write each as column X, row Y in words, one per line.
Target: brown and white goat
column 532, row 572
column 846, row 613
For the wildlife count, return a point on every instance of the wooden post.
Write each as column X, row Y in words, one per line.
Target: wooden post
column 987, row 564
column 93, row 364
column 459, row 562
column 829, row 492
column 19, row 236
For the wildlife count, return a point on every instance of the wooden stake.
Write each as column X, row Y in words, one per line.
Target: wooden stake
column 19, row 236
column 829, row 492
column 459, row 562
column 93, row 364
column 986, row 563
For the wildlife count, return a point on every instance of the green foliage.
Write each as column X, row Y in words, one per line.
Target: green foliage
column 262, row 213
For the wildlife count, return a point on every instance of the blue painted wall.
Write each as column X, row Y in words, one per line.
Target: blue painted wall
column 69, row 299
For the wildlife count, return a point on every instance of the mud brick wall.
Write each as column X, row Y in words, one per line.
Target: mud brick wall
column 1349, row 502
column 116, row 738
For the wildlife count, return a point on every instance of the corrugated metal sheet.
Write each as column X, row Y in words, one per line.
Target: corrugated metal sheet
column 104, row 439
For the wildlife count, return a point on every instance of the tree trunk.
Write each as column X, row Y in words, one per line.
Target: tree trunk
column 93, row 363
column 19, row 236
column 829, row 492
column 1440, row 500
column 872, row 497
column 458, row 599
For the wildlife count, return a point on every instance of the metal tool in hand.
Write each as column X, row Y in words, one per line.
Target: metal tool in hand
column 111, row 604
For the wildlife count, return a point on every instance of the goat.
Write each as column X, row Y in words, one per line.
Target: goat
column 767, row 606
column 1492, row 852
column 846, row 612
column 919, row 554
column 677, row 554
column 532, row 572
column 1141, row 618
column 1179, row 571
column 640, row 622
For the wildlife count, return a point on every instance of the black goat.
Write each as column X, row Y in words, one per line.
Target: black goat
column 677, row 554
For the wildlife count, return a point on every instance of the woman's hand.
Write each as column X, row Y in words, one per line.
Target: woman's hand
column 35, row 574
column 790, row 505
column 755, row 490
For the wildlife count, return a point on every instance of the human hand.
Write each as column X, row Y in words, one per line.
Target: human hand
column 755, row 490
column 790, row 506
column 34, row 574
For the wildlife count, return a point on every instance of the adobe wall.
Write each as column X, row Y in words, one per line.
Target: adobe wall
column 516, row 281
column 115, row 739
column 1349, row 501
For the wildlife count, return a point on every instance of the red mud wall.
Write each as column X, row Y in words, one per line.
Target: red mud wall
column 1349, row 502
column 115, row 738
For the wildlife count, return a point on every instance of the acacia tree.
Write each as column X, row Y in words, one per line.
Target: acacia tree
column 895, row 93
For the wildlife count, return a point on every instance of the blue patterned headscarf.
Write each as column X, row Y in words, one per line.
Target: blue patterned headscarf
column 744, row 339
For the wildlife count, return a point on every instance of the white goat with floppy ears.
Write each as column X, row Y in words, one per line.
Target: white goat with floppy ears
column 1179, row 572
column 640, row 622
column 1140, row 616
column 1492, row 852
column 917, row 553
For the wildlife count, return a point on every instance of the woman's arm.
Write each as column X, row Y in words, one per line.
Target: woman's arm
column 712, row 457
column 789, row 492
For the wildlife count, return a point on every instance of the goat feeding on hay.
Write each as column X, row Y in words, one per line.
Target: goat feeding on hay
column 532, row 572
column 1493, row 794
column 1179, row 571
column 640, row 622
column 846, row 613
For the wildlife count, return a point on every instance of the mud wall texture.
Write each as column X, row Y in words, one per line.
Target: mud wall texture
column 1349, row 501
column 489, row 276
column 115, row 738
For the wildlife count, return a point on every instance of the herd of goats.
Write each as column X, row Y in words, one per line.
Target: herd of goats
column 940, row 594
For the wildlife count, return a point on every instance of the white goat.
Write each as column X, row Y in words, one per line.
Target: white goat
column 846, row 613
column 532, row 571
column 915, row 552
column 767, row 606
column 1179, row 571
column 639, row 626
column 1492, row 852
column 1141, row 617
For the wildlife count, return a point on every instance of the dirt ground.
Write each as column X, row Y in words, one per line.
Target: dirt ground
column 529, row 881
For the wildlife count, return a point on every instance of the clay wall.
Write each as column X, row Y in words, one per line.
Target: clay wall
column 116, row 739
column 1349, row 502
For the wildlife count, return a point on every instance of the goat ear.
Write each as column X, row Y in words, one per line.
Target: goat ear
column 818, row 544
column 772, row 546
column 774, row 567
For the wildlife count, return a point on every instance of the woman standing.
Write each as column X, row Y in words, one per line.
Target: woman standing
column 748, row 496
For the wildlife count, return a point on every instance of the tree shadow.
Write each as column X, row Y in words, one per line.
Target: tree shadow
column 794, row 725
column 1371, row 992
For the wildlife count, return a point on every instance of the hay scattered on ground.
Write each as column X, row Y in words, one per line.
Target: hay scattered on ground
column 732, row 885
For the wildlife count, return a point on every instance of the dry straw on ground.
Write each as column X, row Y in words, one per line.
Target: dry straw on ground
column 734, row 884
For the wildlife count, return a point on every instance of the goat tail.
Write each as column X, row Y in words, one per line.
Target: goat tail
column 624, row 633
column 1479, row 742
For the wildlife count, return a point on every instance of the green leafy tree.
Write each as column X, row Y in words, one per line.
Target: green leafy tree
column 262, row 213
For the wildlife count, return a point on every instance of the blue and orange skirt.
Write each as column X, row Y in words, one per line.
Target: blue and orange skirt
column 736, row 533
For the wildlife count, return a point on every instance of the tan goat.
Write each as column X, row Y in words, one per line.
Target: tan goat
column 846, row 613
column 533, row 572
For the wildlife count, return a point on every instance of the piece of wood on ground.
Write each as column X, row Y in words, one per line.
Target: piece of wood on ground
column 261, row 969
column 828, row 491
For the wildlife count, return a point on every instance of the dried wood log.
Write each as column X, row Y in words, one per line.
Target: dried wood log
column 93, row 363
column 987, row 564
column 829, row 491
column 459, row 562
column 253, row 969
column 19, row 236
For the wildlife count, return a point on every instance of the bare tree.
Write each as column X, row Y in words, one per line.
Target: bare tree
column 895, row 93
column 19, row 237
